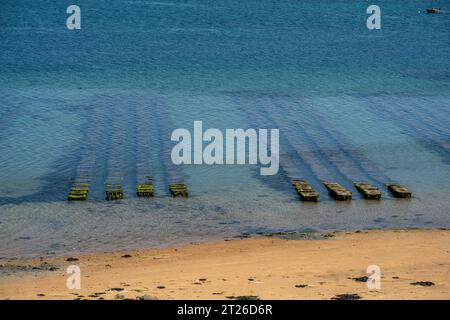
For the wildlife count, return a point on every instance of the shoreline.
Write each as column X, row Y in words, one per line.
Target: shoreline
column 414, row 263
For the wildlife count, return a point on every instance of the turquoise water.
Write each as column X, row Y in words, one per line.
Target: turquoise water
column 351, row 104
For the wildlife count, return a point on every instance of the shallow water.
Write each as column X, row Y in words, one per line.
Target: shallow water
column 351, row 104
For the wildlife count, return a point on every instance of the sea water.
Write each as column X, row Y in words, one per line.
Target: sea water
column 350, row 103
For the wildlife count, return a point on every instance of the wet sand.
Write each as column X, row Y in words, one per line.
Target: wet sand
column 415, row 264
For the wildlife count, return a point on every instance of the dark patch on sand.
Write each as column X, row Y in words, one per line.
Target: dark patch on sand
column 361, row 279
column 423, row 283
column 71, row 259
column 347, row 296
column 243, row 297
column 15, row 268
column 146, row 297
column 301, row 235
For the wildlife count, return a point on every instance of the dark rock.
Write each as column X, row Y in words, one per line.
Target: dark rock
column 423, row 283
column 247, row 298
column 347, row 296
column 361, row 279
column 243, row 297
column 161, row 287
column 126, row 256
column 71, row 259
column 301, row 285
column 116, row 289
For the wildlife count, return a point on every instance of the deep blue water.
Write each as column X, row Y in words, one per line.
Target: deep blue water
column 351, row 104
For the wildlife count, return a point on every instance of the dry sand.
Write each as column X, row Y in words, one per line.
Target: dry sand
column 266, row 267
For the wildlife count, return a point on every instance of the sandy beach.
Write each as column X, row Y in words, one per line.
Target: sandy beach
column 415, row 264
